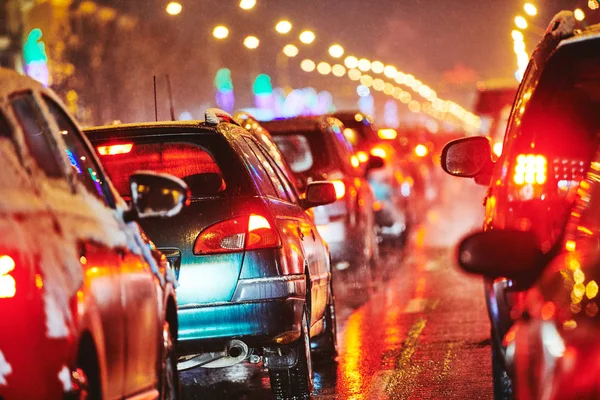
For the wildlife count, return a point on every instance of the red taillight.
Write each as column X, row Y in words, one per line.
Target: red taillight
column 530, row 169
column 340, row 189
column 242, row 233
column 115, row 149
column 8, row 285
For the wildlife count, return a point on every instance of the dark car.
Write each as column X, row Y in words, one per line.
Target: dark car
column 254, row 273
column 87, row 306
column 551, row 137
column 392, row 214
column 316, row 149
column 552, row 349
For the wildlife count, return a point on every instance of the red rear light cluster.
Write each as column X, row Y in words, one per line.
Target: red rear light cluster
column 248, row 232
column 530, row 169
column 8, row 285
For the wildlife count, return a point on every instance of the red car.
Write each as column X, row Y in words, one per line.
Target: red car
column 87, row 304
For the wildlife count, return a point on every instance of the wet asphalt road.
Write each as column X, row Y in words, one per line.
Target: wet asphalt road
column 420, row 332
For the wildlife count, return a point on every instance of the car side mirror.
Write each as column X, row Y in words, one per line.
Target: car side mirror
column 156, row 195
column 508, row 253
column 374, row 162
column 318, row 194
column 468, row 157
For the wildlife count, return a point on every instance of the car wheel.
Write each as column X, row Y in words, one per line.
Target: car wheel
column 88, row 373
column 169, row 378
column 502, row 381
column 326, row 345
column 295, row 382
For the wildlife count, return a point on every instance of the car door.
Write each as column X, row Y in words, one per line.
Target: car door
column 288, row 209
column 139, row 295
column 100, row 265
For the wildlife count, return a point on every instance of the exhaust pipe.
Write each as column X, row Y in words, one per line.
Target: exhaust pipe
column 235, row 352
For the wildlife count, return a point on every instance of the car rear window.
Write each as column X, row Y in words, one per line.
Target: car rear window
column 303, row 151
column 196, row 164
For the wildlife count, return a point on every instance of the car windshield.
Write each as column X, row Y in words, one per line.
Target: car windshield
column 193, row 163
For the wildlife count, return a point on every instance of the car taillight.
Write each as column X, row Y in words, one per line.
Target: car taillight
column 115, row 149
column 340, row 189
column 249, row 232
column 8, row 285
column 530, row 169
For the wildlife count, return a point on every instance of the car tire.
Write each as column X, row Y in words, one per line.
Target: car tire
column 295, row 383
column 326, row 348
column 169, row 377
column 502, row 381
column 89, row 372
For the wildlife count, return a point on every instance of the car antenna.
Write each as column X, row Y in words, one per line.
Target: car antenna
column 171, row 107
column 155, row 105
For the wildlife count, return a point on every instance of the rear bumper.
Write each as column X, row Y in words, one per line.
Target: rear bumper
column 257, row 323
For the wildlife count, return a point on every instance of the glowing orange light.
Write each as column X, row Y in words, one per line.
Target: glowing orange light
column 39, row 282
column 8, row 285
column 258, row 222
column 362, row 156
column 354, row 161
column 115, row 149
column 548, row 310
column 570, row 245
column 377, row 206
column 497, row 148
column 387, row 134
column 378, row 152
column 421, row 150
column 530, row 169
column 340, row 189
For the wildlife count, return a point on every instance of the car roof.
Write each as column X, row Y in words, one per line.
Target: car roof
column 159, row 128
column 590, row 33
column 298, row 124
column 15, row 82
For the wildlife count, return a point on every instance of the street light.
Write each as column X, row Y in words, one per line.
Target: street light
column 520, row 22
column 377, row 67
column 247, row 4
column 390, row 71
column 220, row 32
column 364, row 65
column 283, row 26
column 530, row 9
column 579, row 14
column 517, row 35
column 290, row 50
column 174, row 8
column 593, row 4
column 324, row 68
column 251, row 42
column 307, row 37
column 308, row 65
column 351, row 62
column 338, row 70
column 336, row 51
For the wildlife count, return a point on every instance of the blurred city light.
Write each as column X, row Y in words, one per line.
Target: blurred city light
column 290, row 50
column 387, row 134
column 520, row 22
column 336, row 51
column 354, row 74
column 363, row 91
column 421, row 150
column 251, row 42
column 247, row 4
column 338, row 70
column 377, row 67
column 220, row 32
column 174, row 8
column 283, row 26
column 307, row 37
column 390, row 71
column 308, row 65
column 593, row 4
column 364, row 65
column 579, row 14
column 323, row 68
column 351, row 62
column 517, row 35
column 530, row 9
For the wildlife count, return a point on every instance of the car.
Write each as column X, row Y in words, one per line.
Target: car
column 552, row 349
column 392, row 214
column 551, row 137
column 254, row 272
column 316, row 149
column 87, row 306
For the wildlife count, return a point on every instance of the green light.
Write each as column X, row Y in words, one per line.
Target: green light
column 262, row 85
column 34, row 49
column 223, row 81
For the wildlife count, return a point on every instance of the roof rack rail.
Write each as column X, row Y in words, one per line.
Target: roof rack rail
column 561, row 27
column 215, row 116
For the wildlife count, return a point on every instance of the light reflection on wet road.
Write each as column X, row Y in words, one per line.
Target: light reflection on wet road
column 422, row 334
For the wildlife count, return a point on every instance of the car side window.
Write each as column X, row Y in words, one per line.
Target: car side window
column 290, row 190
column 275, row 181
column 78, row 153
column 258, row 174
column 5, row 129
column 41, row 145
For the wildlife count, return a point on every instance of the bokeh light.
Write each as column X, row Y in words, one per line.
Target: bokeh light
column 174, row 8
column 283, row 26
column 520, row 22
column 336, row 51
column 247, row 4
column 530, row 9
column 251, row 42
column 308, row 65
column 377, row 67
column 220, row 32
column 338, row 70
column 579, row 14
column 324, row 68
column 351, row 62
column 364, row 65
column 307, row 37
column 290, row 50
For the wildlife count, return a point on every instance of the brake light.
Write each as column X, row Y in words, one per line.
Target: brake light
column 497, row 149
column 115, row 149
column 237, row 234
column 530, row 169
column 8, row 285
column 362, row 156
column 387, row 134
column 340, row 189
column 378, row 152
